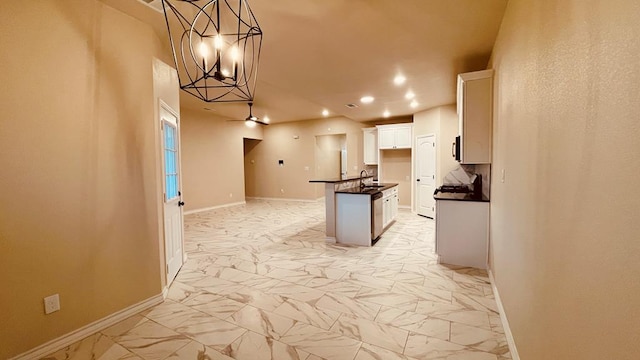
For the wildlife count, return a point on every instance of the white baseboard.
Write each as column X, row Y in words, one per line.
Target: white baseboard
column 330, row 240
column 503, row 318
column 214, row 207
column 280, row 199
column 404, row 207
column 81, row 333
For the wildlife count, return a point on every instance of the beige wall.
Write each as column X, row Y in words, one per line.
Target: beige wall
column 397, row 169
column 443, row 122
column 565, row 235
column 294, row 142
column 79, row 167
column 328, row 155
column 213, row 159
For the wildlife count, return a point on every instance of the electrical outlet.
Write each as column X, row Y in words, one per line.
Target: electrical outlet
column 51, row 304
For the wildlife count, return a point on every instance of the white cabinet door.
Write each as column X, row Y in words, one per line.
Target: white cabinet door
column 394, row 206
column 370, row 140
column 386, row 138
column 403, row 138
column 462, row 232
column 396, row 136
column 475, row 112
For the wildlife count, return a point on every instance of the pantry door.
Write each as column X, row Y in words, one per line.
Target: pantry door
column 426, row 175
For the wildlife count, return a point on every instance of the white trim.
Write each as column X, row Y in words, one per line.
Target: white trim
column 503, row 317
column 81, row 333
column 215, row 207
column 165, row 292
column 404, row 207
column 281, row 199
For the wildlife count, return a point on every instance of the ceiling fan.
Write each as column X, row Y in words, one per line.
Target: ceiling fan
column 252, row 120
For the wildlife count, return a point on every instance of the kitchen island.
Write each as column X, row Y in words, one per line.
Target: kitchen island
column 347, row 185
column 330, row 187
column 364, row 212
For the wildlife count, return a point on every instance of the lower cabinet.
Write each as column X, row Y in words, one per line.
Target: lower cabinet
column 389, row 205
column 462, row 232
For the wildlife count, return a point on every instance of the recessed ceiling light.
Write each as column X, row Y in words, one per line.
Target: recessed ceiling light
column 409, row 95
column 366, row 99
column 266, row 119
column 399, row 79
column 325, row 112
column 413, row 104
column 386, row 113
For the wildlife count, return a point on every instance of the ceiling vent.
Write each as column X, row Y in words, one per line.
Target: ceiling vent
column 351, row 106
column 154, row 4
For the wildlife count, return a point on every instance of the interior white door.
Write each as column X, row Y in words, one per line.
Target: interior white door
column 426, row 175
column 173, row 225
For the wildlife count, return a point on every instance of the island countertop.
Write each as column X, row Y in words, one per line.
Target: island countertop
column 368, row 189
column 340, row 179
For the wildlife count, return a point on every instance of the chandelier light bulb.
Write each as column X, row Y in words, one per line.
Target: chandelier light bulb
column 225, row 72
column 217, row 41
column 399, row 79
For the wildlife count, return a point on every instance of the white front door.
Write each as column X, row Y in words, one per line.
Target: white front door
column 426, row 175
column 173, row 228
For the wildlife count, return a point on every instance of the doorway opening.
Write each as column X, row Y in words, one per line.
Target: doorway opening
column 250, row 173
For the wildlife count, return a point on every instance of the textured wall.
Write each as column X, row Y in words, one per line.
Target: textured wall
column 565, row 246
column 280, row 143
column 79, row 213
column 213, row 159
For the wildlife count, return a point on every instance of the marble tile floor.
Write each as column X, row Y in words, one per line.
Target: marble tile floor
column 261, row 283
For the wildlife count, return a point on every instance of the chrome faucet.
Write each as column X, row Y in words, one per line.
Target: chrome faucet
column 362, row 179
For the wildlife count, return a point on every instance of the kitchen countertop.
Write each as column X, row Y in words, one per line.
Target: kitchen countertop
column 340, row 179
column 367, row 190
column 459, row 197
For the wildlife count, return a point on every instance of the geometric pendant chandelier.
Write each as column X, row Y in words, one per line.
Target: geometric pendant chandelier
column 216, row 48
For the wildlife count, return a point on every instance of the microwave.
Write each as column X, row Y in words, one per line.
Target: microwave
column 455, row 149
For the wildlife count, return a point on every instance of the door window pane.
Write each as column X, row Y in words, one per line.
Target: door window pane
column 170, row 161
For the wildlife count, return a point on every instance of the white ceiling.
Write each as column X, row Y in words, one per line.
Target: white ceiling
column 323, row 54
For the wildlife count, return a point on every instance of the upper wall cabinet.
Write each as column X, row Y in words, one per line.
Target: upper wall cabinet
column 370, row 140
column 474, row 114
column 395, row 136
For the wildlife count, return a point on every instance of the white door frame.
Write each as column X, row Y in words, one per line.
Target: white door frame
column 174, row 206
column 416, row 196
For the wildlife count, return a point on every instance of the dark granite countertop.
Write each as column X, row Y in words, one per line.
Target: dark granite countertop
column 367, row 190
column 340, row 179
column 459, row 197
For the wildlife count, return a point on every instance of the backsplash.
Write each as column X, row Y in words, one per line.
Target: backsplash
column 485, row 171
